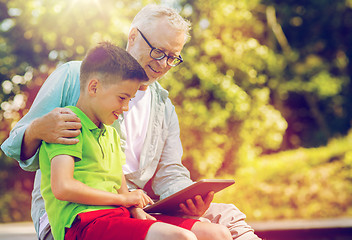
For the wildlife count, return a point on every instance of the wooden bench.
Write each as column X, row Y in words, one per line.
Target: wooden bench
column 316, row 229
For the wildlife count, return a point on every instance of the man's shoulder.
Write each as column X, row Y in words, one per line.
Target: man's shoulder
column 161, row 99
column 67, row 71
column 70, row 67
column 73, row 64
column 158, row 90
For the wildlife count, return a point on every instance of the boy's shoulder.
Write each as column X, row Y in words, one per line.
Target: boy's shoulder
column 87, row 123
column 81, row 115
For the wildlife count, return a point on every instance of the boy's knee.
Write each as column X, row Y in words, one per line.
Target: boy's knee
column 170, row 232
column 184, row 235
column 219, row 232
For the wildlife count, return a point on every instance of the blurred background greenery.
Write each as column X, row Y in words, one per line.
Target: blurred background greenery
column 264, row 95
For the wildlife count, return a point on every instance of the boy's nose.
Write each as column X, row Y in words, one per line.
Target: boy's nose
column 125, row 107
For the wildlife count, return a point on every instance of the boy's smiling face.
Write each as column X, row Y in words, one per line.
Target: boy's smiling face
column 108, row 101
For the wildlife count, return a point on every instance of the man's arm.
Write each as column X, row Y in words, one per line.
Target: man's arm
column 66, row 188
column 172, row 175
column 59, row 90
column 197, row 206
column 60, row 125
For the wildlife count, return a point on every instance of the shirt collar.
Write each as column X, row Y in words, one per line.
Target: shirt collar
column 86, row 120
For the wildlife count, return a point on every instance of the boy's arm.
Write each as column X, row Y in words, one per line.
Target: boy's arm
column 144, row 198
column 136, row 211
column 66, row 188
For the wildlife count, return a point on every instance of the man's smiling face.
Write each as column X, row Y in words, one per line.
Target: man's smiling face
column 162, row 36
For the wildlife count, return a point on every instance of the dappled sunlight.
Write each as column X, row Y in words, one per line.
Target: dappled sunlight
column 263, row 95
column 297, row 184
column 94, row 4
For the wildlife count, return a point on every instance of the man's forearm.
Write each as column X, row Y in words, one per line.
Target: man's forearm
column 30, row 143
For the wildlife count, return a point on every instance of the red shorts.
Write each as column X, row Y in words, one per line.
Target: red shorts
column 117, row 224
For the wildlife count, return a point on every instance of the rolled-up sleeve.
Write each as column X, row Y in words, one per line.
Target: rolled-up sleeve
column 12, row 148
column 171, row 175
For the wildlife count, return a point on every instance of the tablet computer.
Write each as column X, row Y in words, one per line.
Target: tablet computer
column 203, row 187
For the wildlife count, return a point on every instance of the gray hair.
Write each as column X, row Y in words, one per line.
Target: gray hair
column 152, row 12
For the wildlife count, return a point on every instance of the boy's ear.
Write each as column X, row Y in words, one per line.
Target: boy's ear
column 93, row 85
column 132, row 36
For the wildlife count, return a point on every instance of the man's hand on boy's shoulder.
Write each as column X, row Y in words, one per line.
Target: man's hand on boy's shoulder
column 197, row 206
column 60, row 125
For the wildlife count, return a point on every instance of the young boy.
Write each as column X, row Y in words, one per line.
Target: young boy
column 83, row 186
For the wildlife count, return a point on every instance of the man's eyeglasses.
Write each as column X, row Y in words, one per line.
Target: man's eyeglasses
column 159, row 54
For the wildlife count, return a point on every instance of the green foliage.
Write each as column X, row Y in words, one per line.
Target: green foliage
column 314, row 93
column 15, row 206
column 259, row 77
column 302, row 183
column 35, row 36
column 15, row 191
column 224, row 98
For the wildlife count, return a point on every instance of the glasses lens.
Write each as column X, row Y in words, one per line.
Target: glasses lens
column 173, row 61
column 157, row 54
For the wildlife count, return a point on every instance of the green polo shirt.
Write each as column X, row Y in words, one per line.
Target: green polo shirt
column 98, row 164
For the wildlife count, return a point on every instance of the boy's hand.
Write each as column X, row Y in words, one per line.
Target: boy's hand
column 197, row 206
column 139, row 213
column 60, row 125
column 136, row 198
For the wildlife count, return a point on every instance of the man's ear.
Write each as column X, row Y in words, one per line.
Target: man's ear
column 93, row 85
column 132, row 37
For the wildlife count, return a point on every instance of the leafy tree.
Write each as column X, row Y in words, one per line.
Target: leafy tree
column 222, row 92
column 35, row 37
column 314, row 93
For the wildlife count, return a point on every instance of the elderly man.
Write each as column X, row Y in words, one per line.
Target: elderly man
column 149, row 130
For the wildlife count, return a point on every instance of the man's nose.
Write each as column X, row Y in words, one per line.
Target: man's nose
column 163, row 62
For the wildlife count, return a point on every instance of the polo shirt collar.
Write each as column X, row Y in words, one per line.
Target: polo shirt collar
column 86, row 121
